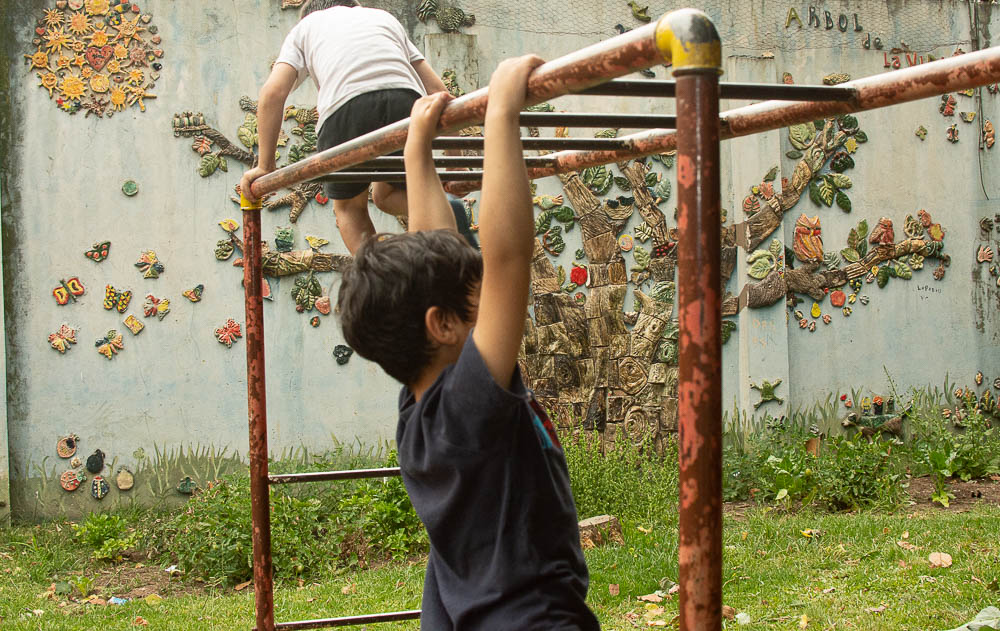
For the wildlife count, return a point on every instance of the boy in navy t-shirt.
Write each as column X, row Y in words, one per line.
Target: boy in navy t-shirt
column 479, row 457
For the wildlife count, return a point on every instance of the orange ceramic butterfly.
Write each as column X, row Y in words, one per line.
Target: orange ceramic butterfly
column 110, row 344
column 68, row 289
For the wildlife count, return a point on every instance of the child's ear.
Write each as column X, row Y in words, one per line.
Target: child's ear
column 442, row 326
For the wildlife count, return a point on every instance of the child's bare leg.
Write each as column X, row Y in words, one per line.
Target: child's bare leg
column 353, row 221
column 389, row 199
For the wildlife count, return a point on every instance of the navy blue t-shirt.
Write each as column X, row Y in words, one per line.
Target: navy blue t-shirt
column 486, row 474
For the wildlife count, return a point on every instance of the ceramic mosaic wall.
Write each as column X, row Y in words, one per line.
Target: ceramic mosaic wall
column 852, row 247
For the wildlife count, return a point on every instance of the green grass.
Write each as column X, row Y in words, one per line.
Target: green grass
column 773, row 573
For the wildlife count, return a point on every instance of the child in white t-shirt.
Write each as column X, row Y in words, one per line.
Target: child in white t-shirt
column 368, row 74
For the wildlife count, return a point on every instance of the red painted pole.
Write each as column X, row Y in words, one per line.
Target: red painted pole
column 263, row 571
column 699, row 396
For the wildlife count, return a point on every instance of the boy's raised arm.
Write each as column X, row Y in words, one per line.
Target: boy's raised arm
column 506, row 224
column 427, row 205
column 270, row 109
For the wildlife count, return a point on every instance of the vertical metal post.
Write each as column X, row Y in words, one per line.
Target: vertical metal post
column 693, row 44
column 263, row 575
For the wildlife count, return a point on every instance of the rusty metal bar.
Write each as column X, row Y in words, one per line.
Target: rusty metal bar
column 323, row 623
column 699, row 395
column 727, row 90
column 528, row 143
column 390, row 163
column 322, row 476
column 615, row 57
column 594, row 119
column 952, row 74
column 396, row 176
column 260, row 513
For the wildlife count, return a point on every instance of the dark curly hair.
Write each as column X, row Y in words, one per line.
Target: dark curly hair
column 387, row 290
column 319, row 5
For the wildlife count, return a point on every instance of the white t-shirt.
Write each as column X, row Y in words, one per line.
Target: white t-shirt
column 349, row 51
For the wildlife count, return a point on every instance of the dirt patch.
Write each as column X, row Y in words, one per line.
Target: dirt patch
column 967, row 494
column 136, row 580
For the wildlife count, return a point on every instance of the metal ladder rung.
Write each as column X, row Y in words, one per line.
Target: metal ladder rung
column 321, row 476
column 322, row 623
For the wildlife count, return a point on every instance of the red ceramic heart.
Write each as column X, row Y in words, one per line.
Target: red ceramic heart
column 40, row 30
column 98, row 57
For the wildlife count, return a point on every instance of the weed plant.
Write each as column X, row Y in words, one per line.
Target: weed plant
column 634, row 482
column 314, row 528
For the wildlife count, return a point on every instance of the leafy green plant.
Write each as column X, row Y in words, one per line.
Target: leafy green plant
column 82, row 583
column 858, row 473
column 98, row 528
column 634, row 482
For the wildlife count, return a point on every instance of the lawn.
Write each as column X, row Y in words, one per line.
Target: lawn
column 785, row 570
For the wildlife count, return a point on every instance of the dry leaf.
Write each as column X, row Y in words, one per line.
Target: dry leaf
column 656, row 623
column 906, row 545
column 879, row 609
column 902, row 563
column 139, row 622
column 674, row 589
column 645, row 531
column 744, row 535
column 242, row 586
column 728, row 612
column 905, row 535
column 940, row 559
column 613, row 589
column 153, row 599
column 348, row 589
column 309, row 600
column 651, row 598
column 803, row 621
column 829, row 590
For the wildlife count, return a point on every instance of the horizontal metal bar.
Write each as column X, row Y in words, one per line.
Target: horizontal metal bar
column 951, row 74
column 530, row 143
column 395, row 176
column 615, row 57
column 596, row 119
column 322, row 623
column 733, row 90
column 320, row 476
column 390, row 163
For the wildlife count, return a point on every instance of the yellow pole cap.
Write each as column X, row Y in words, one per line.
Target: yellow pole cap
column 688, row 39
column 246, row 204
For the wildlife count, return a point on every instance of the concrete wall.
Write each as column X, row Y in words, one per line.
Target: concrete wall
column 172, row 403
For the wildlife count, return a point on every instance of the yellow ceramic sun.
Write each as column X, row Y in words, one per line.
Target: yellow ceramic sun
column 120, row 52
column 100, row 84
column 55, row 39
column 39, row 60
column 97, row 7
column 49, row 81
column 113, row 66
column 79, row 24
column 53, row 17
column 135, row 76
column 98, row 38
column 117, row 98
column 128, row 30
column 86, row 72
column 72, row 87
column 136, row 94
column 78, row 46
column 63, row 62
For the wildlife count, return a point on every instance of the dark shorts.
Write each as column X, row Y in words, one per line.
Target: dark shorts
column 362, row 114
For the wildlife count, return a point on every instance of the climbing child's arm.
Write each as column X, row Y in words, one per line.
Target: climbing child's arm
column 426, row 202
column 506, row 224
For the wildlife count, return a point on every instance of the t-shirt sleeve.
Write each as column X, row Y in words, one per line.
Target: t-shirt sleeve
column 478, row 413
column 292, row 53
column 412, row 53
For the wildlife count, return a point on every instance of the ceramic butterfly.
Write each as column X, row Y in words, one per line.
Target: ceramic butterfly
column 61, row 339
column 228, row 333
column 99, row 252
column 149, row 265
column 110, row 344
column 194, row 294
column 159, row 307
column 68, row 289
column 114, row 299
